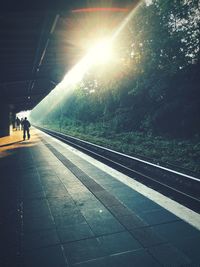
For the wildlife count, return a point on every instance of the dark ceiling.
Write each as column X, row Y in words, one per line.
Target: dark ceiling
column 40, row 43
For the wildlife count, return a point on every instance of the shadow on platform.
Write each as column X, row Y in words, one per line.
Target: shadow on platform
column 13, row 143
column 9, row 144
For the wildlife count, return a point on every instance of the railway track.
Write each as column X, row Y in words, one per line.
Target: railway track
column 183, row 188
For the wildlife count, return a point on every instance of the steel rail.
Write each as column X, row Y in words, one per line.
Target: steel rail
column 181, row 187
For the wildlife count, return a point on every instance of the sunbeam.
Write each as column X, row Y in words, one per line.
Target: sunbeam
column 100, row 53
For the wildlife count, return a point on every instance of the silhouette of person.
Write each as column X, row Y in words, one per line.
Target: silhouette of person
column 26, row 125
column 18, row 123
column 21, row 123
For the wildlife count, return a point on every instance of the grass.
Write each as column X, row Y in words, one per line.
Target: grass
column 179, row 152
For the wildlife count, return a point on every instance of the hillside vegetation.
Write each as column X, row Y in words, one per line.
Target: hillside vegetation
column 148, row 101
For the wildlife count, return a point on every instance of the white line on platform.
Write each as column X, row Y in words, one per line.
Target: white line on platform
column 177, row 209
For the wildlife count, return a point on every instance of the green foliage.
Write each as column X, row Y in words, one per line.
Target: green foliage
column 152, row 89
column 180, row 152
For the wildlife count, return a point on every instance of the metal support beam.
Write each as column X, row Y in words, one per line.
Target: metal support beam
column 46, row 33
column 4, row 120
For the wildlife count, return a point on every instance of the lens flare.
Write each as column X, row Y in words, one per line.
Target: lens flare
column 101, row 52
column 100, row 9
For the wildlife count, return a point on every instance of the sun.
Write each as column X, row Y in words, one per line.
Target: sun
column 101, row 52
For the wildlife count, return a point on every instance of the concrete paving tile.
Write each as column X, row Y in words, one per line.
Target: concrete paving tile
column 60, row 204
column 168, row 255
column 105, row 179
column 34, row 195
column 83, row 177
column 10, row 250
column 65, row 221
column 182, row 236
column 29, row 169
column 94, row 187
column 38, row 158
column 106, row 198
column 83, row 197
column 100, row 262
column 45, row 178
column 119, row 210
column 73, row 182
column 103, row 226
column 117, row 247
column 141, row 204
column 12, row 260
column 190, row 247
column 67, row 210
column 48, row 256
column 75, row 232
column 83, row 250
column 36, row 213
column 40, row 239
column 102, row 177
column 47, row 183
column 90, row 168
column 30, row 179
column 124, row 193
column 76, row 190
column 96, row 174
column 129, row 199
column 97, row 214
column 69, row 180
column 90, row 205
column 33, row 208
column 131, row 221
column 44, row 170
column 50, row 183
column 35, row 204
column 11, row 220
column 58, row 191
column 138, row 258
column 47, row 175
column 118, row 243
column 176, row 231
column 66, row 173
column 147, row 237
column 39, row 223
column 158, row 217
column 9, row 238
column 117, row 186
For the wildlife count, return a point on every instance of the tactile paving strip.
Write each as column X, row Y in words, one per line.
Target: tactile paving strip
column 127, row 218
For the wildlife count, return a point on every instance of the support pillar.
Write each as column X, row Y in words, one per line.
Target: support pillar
column 4, row 120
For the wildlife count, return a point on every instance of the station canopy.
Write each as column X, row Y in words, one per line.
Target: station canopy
column 41, row 42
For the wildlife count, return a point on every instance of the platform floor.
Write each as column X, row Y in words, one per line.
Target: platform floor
column 59, row 209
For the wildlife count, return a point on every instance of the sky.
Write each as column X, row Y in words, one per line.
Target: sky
column 23, row 114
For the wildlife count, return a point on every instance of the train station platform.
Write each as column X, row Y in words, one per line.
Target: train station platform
column 61, row 208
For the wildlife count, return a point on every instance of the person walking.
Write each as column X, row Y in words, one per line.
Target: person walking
column 26, row 125
column 21, row 122
column 17, row 123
